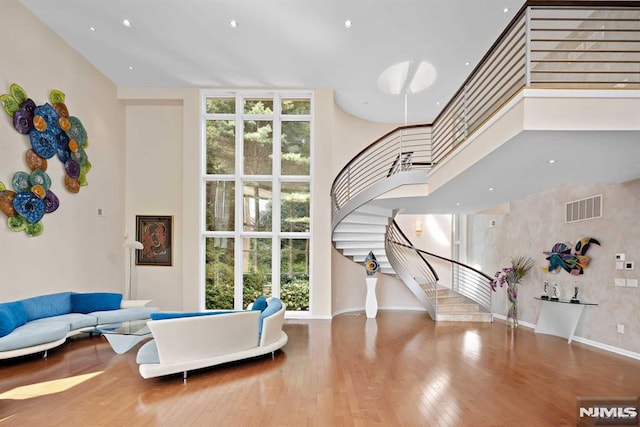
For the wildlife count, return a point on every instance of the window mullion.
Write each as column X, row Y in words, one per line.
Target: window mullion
column 239, row 213
column 276, row 214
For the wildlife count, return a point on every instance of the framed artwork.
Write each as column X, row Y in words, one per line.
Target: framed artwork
column 154, row 232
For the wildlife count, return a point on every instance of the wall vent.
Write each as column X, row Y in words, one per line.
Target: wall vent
column 583, row 209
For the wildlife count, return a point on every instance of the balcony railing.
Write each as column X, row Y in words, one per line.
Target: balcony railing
column 548, row 44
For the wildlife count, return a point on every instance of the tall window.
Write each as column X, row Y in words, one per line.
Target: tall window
column 257, row 197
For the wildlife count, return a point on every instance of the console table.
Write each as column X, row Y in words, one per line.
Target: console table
column 559, row 318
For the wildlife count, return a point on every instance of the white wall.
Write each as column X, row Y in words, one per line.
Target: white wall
column 154, row 187
column 435, row 238
column 78, row 250
column 536, row 223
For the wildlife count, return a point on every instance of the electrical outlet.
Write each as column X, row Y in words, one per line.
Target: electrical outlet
column 620, row 328
column 620, row 282
column 632, row 283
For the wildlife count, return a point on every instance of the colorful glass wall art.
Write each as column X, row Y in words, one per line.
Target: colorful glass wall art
column 52, row 132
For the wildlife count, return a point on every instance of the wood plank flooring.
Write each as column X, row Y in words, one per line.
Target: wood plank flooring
column 401, row 369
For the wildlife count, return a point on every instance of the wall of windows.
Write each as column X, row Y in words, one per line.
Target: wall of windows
column 257, row 197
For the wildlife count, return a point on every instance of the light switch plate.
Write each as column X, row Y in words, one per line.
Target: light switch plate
column 620, row 282
column 632, row 283
column 620, row 257
column 619, row 265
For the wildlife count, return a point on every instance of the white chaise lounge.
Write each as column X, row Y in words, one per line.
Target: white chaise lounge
column 200, row 340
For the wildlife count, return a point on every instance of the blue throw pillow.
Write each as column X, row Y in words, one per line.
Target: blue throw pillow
column 95, row 301
column 260, row 303
column 47, row 305
column 175, row 315
column 274, row 306
column 12, row 315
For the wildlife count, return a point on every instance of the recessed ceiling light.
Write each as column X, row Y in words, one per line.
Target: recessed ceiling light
column 437, row 103
column 233, row 23
column 551, row 161
column 131, row 67
column 348, row 23
column 92, row 28
column 490, row 188
column 126, row 23
column 466, row 63
column 458, row 204
column 505, row 10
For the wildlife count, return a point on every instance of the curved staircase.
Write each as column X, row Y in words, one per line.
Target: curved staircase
column 588, row 42
column 400, row 158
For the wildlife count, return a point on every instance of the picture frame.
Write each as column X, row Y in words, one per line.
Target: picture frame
column 155, row 232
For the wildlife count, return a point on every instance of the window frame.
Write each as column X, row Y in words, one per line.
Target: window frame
column 238, row 234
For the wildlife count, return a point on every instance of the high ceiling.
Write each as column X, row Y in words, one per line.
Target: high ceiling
column 285, row 44
column 304, row 44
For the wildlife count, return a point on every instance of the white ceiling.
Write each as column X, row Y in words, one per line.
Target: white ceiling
column 285, row 44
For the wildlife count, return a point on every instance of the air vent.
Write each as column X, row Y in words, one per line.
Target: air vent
column 581, row 210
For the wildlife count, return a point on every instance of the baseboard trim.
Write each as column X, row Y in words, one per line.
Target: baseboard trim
column 362, row 309
column 607, row 347
column 596, row 344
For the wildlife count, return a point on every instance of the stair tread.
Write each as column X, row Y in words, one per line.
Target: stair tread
column 465, row 317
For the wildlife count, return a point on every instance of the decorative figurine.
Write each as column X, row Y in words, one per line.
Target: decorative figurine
column 556, row 293
column 371, row 264
column 546, row 290
column 575, row 299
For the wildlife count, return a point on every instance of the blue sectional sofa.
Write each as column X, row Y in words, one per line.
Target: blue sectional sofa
column 37, row 324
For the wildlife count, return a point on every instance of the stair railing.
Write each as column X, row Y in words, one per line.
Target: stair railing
column 403, row 149
column 412, row 268
column 466, row 280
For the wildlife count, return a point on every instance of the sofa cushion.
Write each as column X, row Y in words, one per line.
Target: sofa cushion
column 178, row 314
column 95, row 301
column 148, row 353
column 260, row 303
column 47, row 305
column 74, row 320
column 12, row 315
column 123, row 314
column 32, row 333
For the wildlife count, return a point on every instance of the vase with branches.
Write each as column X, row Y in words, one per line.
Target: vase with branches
column 511, row 277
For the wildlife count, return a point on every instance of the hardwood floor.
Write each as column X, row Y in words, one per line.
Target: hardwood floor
column 401, row 369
